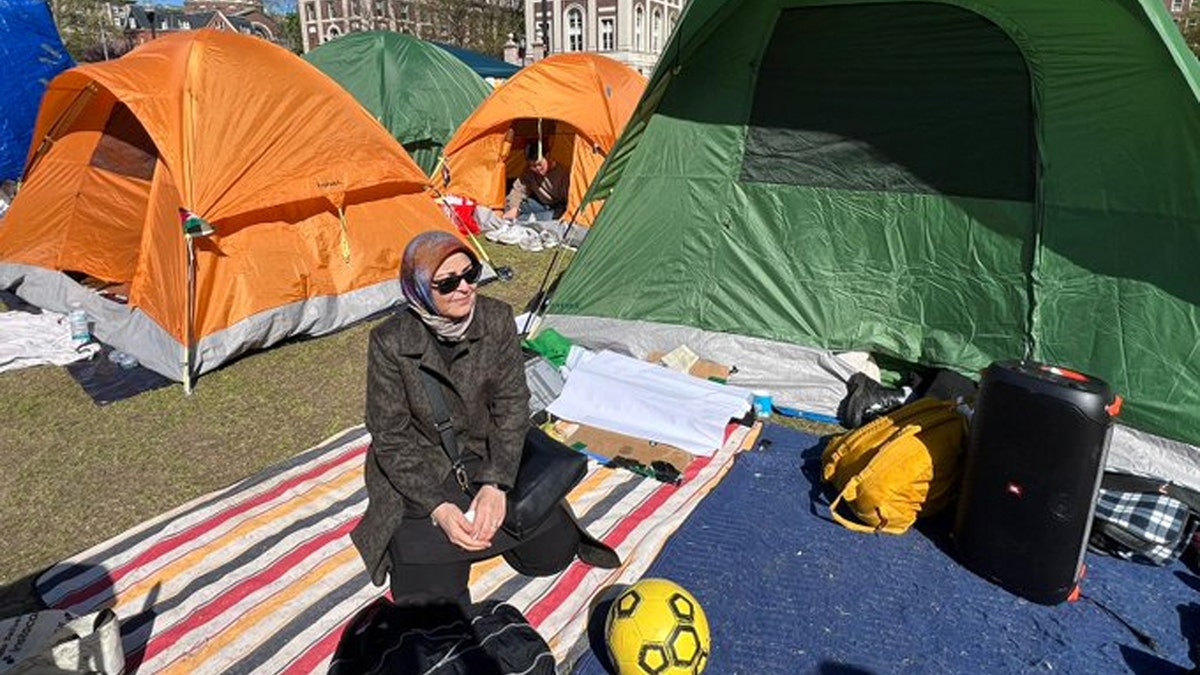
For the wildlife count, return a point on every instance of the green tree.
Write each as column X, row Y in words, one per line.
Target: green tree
column 1189, row 24
column 86, row 27
column 475, row 24
column 290, row 35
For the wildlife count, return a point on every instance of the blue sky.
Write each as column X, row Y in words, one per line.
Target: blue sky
column 281, row 5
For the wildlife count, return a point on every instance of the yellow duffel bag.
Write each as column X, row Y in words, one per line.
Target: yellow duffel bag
column 899, row 466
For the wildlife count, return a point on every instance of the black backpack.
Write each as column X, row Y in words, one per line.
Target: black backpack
column 489, row 638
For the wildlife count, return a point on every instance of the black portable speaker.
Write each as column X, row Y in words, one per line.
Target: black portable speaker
column 1035, row 456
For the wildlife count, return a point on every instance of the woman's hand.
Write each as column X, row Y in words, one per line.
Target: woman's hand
column 458, row 529
column 489, row 507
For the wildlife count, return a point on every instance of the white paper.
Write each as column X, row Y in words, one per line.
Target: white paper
column 644, row 400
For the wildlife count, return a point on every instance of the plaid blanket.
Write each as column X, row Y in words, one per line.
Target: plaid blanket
column 261, row 577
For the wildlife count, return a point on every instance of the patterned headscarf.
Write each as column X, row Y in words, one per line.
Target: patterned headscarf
column 423, row 255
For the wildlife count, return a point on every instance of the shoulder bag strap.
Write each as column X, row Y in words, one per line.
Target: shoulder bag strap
column 445, row 428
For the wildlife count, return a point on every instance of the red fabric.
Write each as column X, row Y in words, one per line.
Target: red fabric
column 461, row 212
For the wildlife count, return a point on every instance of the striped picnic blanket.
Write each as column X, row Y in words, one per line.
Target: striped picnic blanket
column 261, row 577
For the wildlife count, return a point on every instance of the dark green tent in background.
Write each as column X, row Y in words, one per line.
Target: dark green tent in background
column 482, row 64
column 418, row 91
column 948, row 182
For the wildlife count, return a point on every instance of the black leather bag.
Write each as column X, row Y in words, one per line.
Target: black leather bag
column 548, row 470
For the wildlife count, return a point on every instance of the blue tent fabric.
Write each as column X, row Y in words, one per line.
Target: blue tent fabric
column 805, row 595
column 32, row 54
column 482, row 64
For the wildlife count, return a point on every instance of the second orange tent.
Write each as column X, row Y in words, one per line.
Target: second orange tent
column 576, row 103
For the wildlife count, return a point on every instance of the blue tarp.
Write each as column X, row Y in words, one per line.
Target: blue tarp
column 787, row 591
column 32, row 54
column 485, row 65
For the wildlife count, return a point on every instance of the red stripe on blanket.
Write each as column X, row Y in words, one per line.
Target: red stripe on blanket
column 109, row 581
column 231, row 597
column 316, row 655
column 569, row 582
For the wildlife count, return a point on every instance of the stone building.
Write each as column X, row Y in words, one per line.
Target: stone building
column 631, row 31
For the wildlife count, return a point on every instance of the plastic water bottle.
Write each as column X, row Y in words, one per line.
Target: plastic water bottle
column 78, row 319
column 125, row 360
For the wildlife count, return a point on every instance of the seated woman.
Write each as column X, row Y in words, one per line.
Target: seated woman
column 419, row 524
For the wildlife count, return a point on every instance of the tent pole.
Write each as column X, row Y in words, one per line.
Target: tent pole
column 187, row 324
column 64, row 120
column 540, row 298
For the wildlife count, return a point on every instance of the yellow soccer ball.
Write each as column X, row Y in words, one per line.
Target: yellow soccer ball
column 655, row 627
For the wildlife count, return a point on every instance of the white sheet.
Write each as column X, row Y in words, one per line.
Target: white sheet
column 632, row 397
column 36, row 339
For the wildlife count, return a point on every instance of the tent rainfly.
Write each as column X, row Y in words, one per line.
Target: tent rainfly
column 949, row 183
column 484, row 65
column 417, row 90
column 310, row 201
column 577, row 103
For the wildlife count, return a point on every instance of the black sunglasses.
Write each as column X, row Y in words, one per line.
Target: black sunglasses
column 449, row 284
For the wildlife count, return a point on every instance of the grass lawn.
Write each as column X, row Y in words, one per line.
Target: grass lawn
column 77, row 473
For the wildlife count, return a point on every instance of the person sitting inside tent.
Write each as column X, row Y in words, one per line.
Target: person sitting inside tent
column 541, row 190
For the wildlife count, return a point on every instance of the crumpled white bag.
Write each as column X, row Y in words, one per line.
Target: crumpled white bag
column 56, row 642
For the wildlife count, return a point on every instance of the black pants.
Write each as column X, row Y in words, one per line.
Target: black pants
column 427, row 568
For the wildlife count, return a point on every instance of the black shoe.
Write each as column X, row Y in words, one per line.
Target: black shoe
column 866, row 399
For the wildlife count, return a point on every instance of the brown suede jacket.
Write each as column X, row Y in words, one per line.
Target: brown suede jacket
column 489, row 406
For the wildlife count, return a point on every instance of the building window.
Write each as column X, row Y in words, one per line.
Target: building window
column 639, row 28
column 1176, row 5
column 333, row 33
column 656, row 30
column 607, row 35
column 574, row 29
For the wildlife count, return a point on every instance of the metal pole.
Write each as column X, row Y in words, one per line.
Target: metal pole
column 187, row 328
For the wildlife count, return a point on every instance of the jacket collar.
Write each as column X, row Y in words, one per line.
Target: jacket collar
column 414, row 339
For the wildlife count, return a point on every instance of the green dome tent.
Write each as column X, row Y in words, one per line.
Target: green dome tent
column 418, row 91
column 949, row 183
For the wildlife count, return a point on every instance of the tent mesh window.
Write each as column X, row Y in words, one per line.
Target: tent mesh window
column 125, row 148
column 912, row 98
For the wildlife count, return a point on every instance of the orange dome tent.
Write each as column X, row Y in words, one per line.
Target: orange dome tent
column 311, row 200
column 579, row 103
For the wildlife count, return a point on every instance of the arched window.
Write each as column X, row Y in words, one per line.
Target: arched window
column 575, row 29
column 639, row 28
column 656, row 30
column 332, row 33
column 608, row 38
